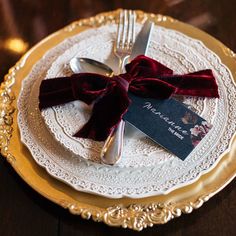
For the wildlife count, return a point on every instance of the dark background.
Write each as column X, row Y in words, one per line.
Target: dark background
column 25, row 212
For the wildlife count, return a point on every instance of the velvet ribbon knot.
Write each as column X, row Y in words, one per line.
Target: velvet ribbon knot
column 144, row 77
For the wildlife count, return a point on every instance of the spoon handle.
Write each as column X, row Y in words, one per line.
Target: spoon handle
column 112, row 149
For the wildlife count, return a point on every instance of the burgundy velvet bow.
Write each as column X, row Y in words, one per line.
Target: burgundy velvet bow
column 144, row 77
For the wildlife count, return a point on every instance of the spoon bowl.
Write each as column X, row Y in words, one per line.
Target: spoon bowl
column 80, row 65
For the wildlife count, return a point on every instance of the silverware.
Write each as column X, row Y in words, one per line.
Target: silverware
column 81, row 64
column 142, row 40
column 113, row 147
column 89, row 65
column 125, row 37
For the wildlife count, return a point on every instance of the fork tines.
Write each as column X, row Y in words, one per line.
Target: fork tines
column 126, row 29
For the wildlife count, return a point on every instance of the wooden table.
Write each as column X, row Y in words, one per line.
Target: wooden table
column 22, row 210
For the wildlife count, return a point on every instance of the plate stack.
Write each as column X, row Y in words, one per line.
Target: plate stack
column 147, row 176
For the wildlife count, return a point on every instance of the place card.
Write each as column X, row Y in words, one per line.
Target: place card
column 168, row 122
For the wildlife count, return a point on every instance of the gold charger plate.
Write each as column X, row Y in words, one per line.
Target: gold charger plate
column 132, row 213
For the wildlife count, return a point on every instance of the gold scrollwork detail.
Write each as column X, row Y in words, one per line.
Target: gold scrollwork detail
column 136, row 216
column 6, row 112
column 229, row 52
column 113, row 17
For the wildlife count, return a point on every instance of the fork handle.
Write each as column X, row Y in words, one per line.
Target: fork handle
column 113, row 147
column 122, row 63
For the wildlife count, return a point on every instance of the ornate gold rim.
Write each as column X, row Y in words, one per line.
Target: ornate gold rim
column 128, row 213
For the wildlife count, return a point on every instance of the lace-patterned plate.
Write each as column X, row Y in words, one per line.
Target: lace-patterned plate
column 63, row 121
column 145, row 169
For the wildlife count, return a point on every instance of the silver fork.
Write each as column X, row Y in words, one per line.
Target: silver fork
column 112, row 149
column 125, row 37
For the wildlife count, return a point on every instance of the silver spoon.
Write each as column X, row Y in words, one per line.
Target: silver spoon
column 80, row 64
column 112, row 149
